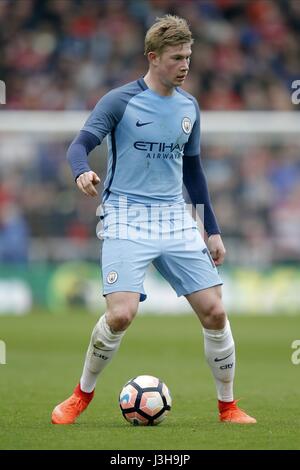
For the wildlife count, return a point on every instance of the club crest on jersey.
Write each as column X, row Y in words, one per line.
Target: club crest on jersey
column 186, row 125
column 112, row 277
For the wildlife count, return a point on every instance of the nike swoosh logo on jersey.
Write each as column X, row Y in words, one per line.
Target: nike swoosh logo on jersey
column 223, row 358
column 140, row 124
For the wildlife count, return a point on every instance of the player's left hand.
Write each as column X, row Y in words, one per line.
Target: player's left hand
column 216, row 248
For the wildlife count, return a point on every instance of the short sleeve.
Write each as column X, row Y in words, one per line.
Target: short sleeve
column 192, row 147
column 106, row 115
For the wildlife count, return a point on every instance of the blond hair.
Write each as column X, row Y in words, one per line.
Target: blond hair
column 168, row 30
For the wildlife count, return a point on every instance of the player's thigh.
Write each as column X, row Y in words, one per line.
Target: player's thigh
column 124, row 264
column 187, row 265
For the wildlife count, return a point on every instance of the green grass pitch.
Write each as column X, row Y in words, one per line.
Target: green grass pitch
column 44, row 359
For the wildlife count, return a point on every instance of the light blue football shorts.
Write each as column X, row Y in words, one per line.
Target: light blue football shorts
column 177, row 250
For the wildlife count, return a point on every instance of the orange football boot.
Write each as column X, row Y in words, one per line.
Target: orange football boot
column 67, row 411
column 231, row 413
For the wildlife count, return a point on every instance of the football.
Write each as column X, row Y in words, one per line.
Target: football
column 145, row 400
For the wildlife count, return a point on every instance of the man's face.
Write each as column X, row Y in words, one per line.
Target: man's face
column 172, row 65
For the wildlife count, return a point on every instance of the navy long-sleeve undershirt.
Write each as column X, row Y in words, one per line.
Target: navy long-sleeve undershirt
column 78, row 152
column 195, row 182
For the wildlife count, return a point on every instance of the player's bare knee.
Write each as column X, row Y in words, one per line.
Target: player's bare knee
column 119, row 318
column 215, row 317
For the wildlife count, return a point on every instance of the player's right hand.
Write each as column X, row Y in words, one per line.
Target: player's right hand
column 87, row 181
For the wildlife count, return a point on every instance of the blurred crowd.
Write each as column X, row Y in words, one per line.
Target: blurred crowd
column 256, row 194
column 65, row 54
column 255, row 191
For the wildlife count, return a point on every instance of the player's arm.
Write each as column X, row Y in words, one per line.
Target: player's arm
column 77, row 156
column 101, row 121
column 196, row 184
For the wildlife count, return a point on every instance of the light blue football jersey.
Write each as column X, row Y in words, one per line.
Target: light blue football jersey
column 148, row 136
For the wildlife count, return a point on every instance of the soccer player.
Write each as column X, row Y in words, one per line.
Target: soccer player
column 153, row 130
